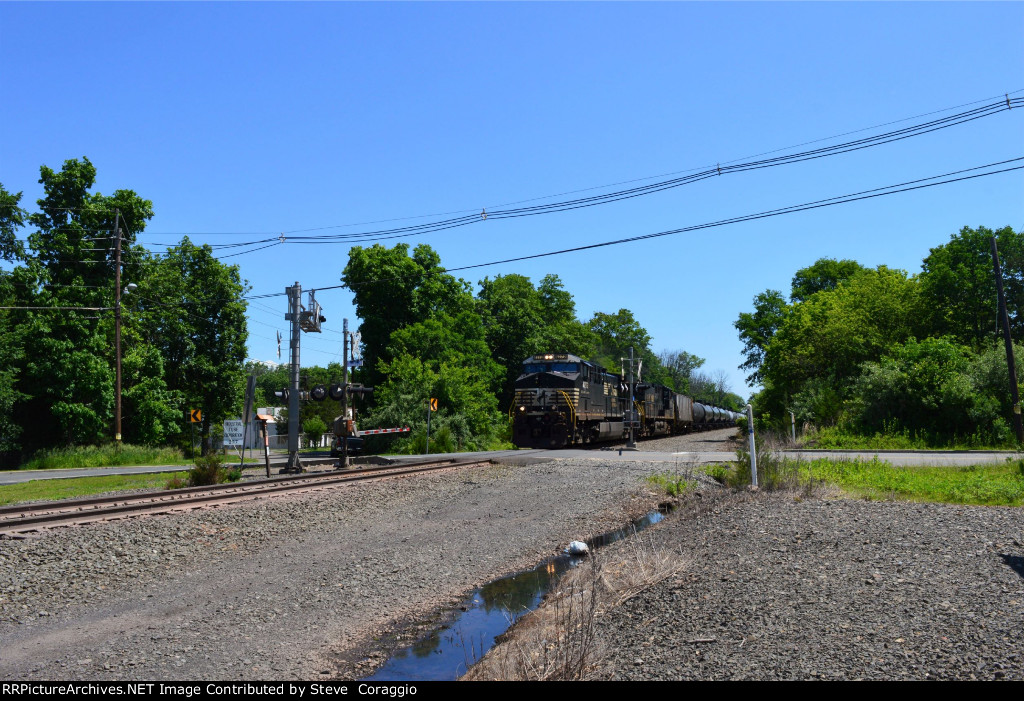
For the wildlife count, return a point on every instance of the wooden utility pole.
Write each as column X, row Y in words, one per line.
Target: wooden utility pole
column 344, row 393
column 117, row 327
column 1004, row 319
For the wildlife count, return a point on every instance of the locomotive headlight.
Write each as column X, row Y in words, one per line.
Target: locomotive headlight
column 522, row 408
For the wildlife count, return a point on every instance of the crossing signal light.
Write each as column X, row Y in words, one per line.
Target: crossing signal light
column 318, row 393
column 336, row 392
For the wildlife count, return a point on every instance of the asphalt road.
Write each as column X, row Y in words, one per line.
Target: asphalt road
column 901, row 458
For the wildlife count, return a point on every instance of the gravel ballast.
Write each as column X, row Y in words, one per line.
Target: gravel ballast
column 310, row 586
column 785, row 587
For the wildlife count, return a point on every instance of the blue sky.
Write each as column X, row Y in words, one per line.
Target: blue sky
column 239, row 118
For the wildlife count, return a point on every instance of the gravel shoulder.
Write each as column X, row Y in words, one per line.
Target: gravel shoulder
column 785, row 587
column 310, row 586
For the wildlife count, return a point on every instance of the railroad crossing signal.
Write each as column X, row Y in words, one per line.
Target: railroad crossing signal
column 433, row 404
column 195, row 416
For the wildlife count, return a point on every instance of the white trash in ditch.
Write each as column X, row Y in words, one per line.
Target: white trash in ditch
column 578, row 548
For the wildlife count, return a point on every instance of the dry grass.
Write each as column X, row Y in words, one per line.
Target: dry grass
column 558, row 640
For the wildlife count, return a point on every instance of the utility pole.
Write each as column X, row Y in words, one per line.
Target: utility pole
column 344, row 393
column 117, row 327
column 1004, row 319
column 294, row 303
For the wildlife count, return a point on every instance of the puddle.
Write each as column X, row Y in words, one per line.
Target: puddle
column 447, row 653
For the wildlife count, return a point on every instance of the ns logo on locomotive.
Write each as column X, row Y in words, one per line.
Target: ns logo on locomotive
column 563, row 400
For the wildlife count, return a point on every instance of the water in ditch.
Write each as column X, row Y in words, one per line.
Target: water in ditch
column 446, row 653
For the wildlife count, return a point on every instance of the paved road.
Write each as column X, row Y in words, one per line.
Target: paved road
column 903, row 458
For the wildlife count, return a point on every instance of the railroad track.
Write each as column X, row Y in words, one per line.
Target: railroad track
column 17, row 521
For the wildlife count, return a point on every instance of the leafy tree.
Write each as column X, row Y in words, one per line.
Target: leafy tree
column 521, row 320
column 12, row 218
column 830, row 334
column 510, row 308
column 923, row 387
column 958, row 285
column 757, row 329
column 614, row 334
column 392, row 290
column 65, row 375
column 314, row 427
column 990, row 377
column 190, row 307
column 824, row 274
column 152, row 413
column 561, row 330
column 679, row 367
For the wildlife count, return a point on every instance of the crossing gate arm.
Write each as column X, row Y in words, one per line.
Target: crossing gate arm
column 375, row 431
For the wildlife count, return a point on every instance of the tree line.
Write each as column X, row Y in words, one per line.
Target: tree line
column 879, row 351
column 183, row 323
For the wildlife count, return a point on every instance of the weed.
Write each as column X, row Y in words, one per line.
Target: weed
column 209, row 470
column 176, row 482
column 717, row 472
column 110, row 455
column 675, row 483
column 773, row 472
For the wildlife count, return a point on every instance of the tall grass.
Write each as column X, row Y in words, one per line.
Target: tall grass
column 994, row 484
column 895, row 438
column 108, row 455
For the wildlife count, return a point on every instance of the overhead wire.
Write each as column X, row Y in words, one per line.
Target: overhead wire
column 897, row 188
column 619, row 195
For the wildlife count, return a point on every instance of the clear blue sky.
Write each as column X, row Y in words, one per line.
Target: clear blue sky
column 270, row 117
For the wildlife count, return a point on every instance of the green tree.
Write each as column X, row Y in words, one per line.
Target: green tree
column 834, row 331
column 191, row 307
column 12, row 218
column 392, row 290
column 824, row 274
column 521, row 320
column 560, row 329
column 958, row 285
column 679, row 367
column 615, row 334
column 924, row 387
column 66, row 367
column 757, row 329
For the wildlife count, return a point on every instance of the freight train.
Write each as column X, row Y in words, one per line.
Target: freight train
column 562, row 400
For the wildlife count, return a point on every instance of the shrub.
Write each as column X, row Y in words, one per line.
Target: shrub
column 210, row 470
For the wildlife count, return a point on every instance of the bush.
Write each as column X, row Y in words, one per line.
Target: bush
column 210, row 470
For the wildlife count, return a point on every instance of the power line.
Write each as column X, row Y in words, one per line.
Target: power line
column 897, row 188
column 619, row 195
column 816, row 204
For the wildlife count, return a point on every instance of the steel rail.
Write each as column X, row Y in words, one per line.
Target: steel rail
column 18, row 520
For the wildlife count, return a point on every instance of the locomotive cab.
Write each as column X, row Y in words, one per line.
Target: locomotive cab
column 562, row 400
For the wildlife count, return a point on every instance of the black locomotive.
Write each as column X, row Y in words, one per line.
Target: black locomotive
column 563, row 400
